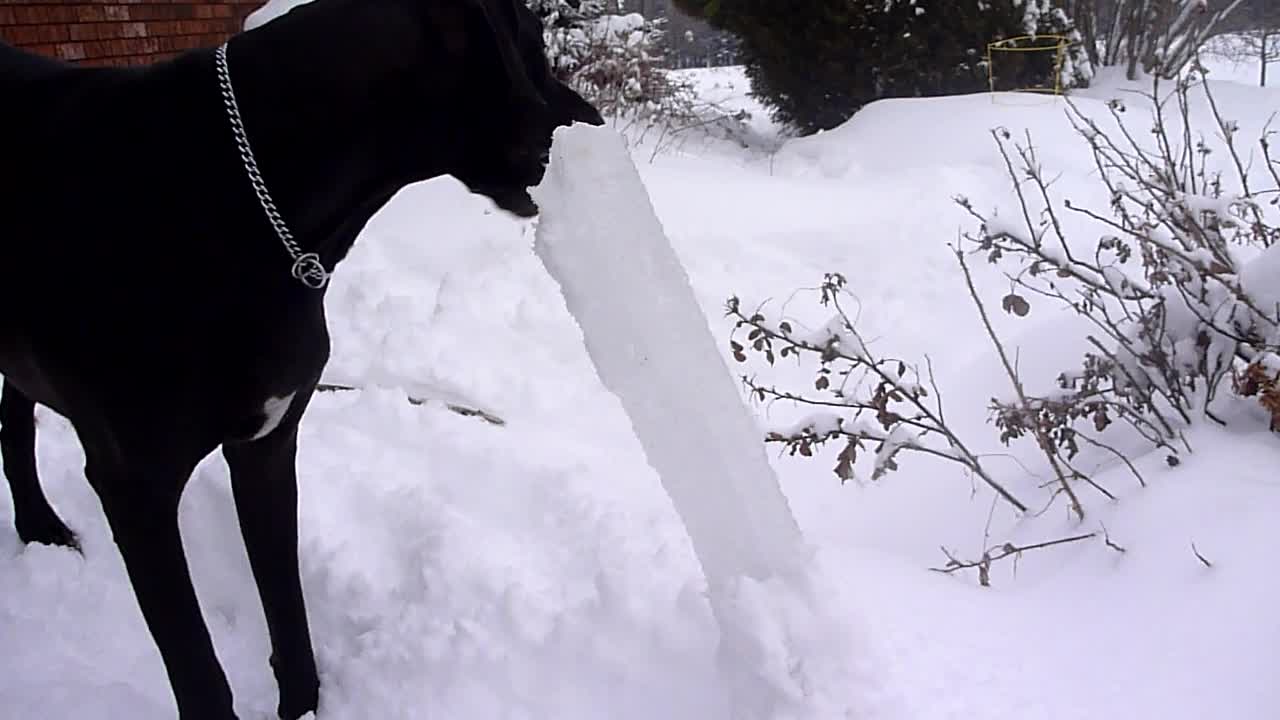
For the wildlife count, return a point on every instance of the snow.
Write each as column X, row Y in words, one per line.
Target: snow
column 270, row 10
column 610, row 27
column 599, row 238
column 458, row 569
column 601, row 241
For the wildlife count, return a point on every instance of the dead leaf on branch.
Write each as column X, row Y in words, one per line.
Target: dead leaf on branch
column 1016, row 304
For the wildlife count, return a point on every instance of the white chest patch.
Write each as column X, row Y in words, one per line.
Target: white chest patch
column 273, row 411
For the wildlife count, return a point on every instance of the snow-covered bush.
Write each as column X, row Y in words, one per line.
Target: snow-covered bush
column 614, row 60
column 1157, row 37
column 1183, row 288
column 1048, row 18
column 877, row 406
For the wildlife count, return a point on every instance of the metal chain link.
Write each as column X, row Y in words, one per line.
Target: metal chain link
column 307, row 267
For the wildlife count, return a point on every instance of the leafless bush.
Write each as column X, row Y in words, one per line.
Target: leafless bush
column 1182, row 291
column 618, row 66
column 878, row 407
column 1164, row 288
column 617, row 62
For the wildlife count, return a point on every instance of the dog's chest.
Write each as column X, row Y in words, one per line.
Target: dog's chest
column 273, row 411
column 268, row 371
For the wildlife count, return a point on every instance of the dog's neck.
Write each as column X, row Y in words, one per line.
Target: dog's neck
column 324, row 153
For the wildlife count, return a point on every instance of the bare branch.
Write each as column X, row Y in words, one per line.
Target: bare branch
column 995, row 554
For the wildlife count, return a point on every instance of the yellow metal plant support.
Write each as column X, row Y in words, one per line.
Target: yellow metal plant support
column 1056, row 44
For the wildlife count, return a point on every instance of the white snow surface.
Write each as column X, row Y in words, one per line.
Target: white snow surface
column 461, row 570
column 600, row 239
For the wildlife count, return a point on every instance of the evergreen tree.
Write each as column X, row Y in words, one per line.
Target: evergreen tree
column 816, row 62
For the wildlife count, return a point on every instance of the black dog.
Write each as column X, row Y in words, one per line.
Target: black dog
column 166, row 236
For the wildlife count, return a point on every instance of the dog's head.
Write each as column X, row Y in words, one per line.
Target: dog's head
column 423, row 88
column 510, row 103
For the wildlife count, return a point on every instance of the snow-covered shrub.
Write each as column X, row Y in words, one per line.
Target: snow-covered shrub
column 1047, row 17
column 1183, row 288
column 1158, row 37
column 877, row 406
column 614, row 60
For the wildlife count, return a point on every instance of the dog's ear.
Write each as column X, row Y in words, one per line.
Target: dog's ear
column 503, row 30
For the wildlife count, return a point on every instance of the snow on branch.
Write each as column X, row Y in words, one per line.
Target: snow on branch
column 1182, row 287
column 878, row 407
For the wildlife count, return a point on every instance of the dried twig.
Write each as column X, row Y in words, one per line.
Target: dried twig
column 997, row 553
column 463, row 410
column 1111, row 543
column 1200, row 557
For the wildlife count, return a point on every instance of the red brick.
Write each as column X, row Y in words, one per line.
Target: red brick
column 59, row 14
column 80, row 33
column 154, row 12
column 7, row 16
column 70, row 51
column 109, row 30
column 46, row 50
column 116, row 12
column 186, row 42
column 54, row 33
column 32, row 15
column 90, row 13
column 23, row 34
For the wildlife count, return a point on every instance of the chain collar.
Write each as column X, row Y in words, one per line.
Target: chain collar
column 307, row 268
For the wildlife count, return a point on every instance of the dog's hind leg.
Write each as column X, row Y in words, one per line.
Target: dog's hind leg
column 35, row 520
column 265, row 484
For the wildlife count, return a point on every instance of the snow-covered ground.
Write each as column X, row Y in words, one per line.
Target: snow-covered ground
column 459, row 569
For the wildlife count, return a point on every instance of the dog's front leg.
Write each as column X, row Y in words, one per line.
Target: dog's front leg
column 140, row 499
column 265, row 485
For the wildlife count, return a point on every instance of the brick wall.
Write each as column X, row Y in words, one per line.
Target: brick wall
column 120, row 32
